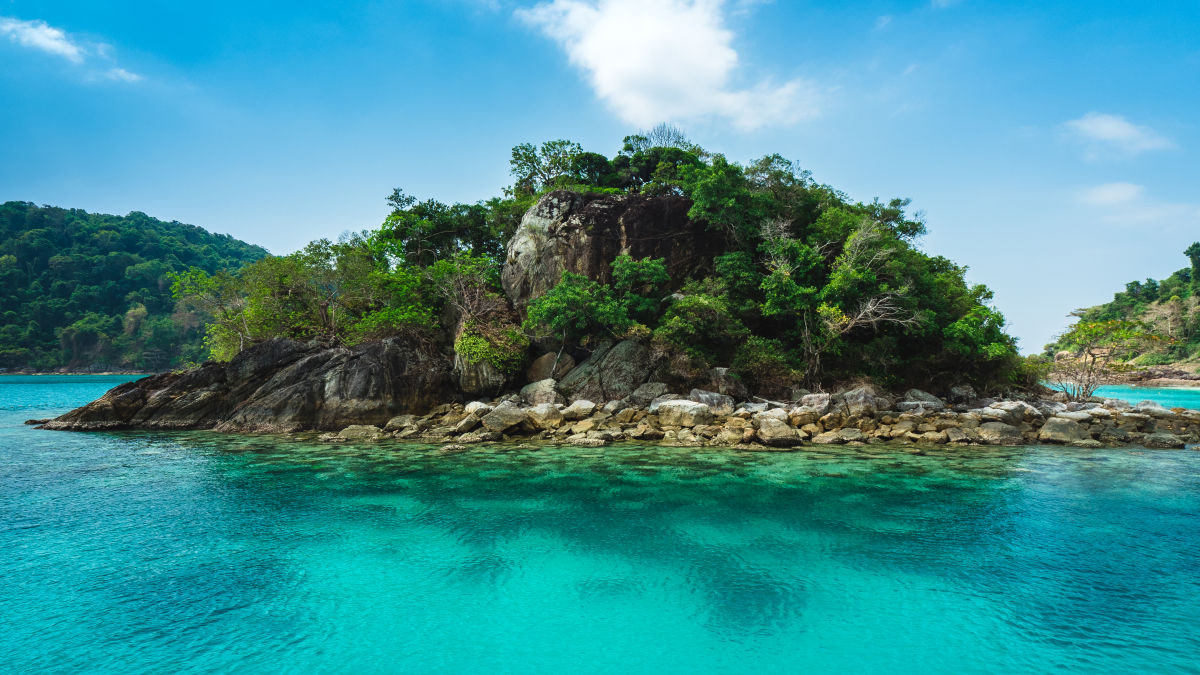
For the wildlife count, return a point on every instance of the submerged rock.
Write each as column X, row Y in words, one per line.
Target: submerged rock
column 360, row 432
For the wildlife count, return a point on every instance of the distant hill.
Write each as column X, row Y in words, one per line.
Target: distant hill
column 1171, row 307
column 90, row 291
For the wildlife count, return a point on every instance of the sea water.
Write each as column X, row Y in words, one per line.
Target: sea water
column 207, row 553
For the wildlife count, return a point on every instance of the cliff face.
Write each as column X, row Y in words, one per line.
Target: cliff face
column 276, row 386
column 583, row 233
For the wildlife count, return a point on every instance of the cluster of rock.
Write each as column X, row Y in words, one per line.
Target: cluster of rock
column 704, row 418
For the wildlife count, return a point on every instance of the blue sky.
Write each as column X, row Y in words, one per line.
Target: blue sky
column 1051, row 146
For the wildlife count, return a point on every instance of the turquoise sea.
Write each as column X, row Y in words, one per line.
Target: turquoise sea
column 204, row 553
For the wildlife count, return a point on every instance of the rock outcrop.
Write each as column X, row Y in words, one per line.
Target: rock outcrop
column 277, row 386
column 582, row 233
column 612, row 372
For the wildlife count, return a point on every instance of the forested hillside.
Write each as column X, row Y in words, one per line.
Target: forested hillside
column 1169, row 308
column 86, row 290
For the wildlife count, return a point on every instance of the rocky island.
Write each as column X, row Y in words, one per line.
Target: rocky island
column 665, row 296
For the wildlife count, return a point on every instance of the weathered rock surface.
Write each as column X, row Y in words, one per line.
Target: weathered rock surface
column 611, row 373
column 683, row 413
column 583, row 233
column 549, row 366
column 579, row 409
column 719, row 404
column 1063, row 430
column 503, row 418
column 775, row 432
column 277, row 386
column 480, row 377
column 999, row 433
column 361, row 432
column 545, row 416
column 542, row 391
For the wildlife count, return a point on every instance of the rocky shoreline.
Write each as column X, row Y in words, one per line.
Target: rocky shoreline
column 388, row 390
column 704, row 418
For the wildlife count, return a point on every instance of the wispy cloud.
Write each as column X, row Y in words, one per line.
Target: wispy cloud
column 1128, row 204
column 41, row 36
column 656, row 60
column 1101, row 131
column 883, row 21
column 1111, row 194
column 122, row 75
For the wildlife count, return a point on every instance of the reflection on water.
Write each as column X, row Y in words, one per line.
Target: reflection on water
column 203, row 552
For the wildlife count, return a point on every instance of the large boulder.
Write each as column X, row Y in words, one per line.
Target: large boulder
column 542, row 391
column 720, row 404
column 963, row 393
column 725, row 381
column 578, row 410
column 504, row 417
column 583, row 233
column 683, row 413
column 999, row 433
column 643, row 395
column 611, row 373
column 1063, row 430
column 860, row 402
column 478, row 377
column 545, row 416
column 775, row 432
column 550, row 366
column 1163, row 440
column 819, row 402
column 278, row 386
column 915, row 399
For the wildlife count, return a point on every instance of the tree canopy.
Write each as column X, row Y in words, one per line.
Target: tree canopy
column 87, row 289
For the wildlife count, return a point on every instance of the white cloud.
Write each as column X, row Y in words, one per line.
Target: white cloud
column 1112, row 194
column 1127, row 205
column 666, row 60
column 1102, row 130
column 41, row 36
column 122, row 75
column 883, row 21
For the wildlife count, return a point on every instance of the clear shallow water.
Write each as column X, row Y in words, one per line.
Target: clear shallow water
column 199, row 552
column 1171, row 397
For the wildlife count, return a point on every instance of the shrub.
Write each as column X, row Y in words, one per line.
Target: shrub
column 503, row 346
column 703, row 327
column 765, row 366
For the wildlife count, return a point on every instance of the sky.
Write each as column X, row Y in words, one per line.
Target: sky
column 1052, row 146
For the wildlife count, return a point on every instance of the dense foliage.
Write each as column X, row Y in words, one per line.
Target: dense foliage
column 1169, row 309
column 430, row 266
column 81, row 289
column 811, row 288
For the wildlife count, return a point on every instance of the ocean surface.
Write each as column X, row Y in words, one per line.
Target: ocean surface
column 205, row 553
